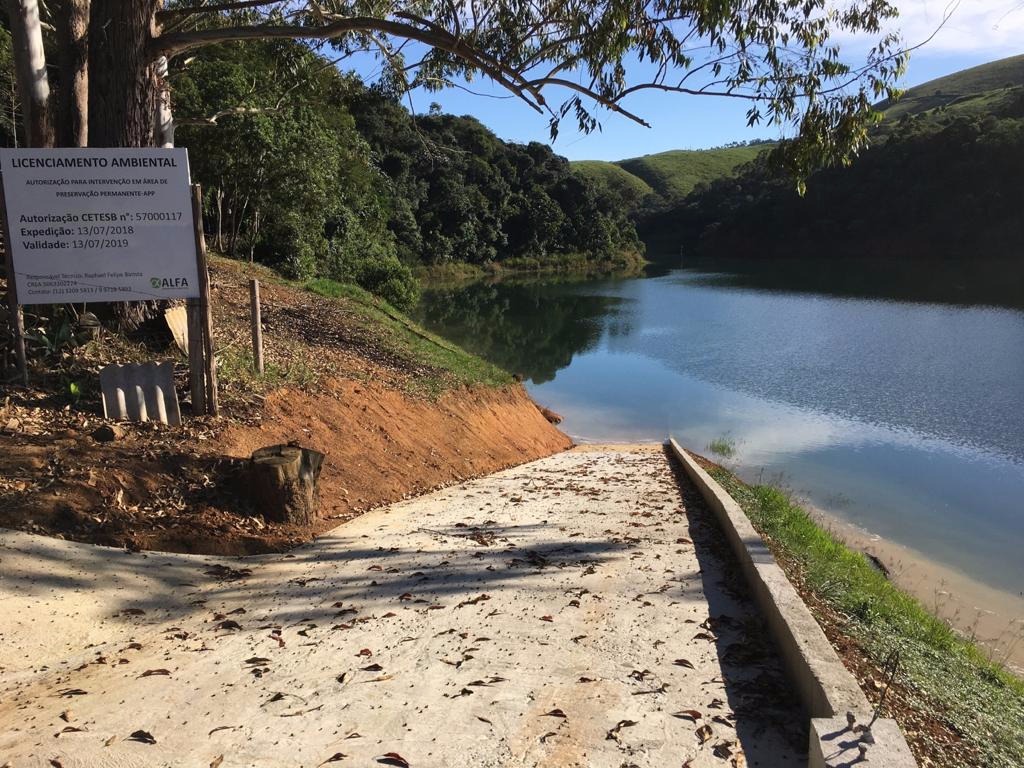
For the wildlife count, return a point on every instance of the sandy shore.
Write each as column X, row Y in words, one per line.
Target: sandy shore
column 992, row 617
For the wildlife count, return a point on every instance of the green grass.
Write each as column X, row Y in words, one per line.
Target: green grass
column 674, row 174
column 952, row 89
column 445, row 365
column 723, row 446
column 626, row 187
column 235, row 367
column 950, row 675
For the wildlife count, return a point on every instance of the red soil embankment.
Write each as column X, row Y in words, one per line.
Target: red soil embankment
column 383, row 445
column 180, row 490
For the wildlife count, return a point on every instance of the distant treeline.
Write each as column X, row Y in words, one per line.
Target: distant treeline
column 941, row 184
column 308, row 170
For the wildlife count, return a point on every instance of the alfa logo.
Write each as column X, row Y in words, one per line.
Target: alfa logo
column 168, row 282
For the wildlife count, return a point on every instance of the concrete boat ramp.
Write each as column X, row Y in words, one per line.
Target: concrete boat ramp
column 581, row 610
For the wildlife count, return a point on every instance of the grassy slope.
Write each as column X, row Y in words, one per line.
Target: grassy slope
column 671, row 175
column 979, row 84
column 438, row 365
column 674, row 174
column 946, row 676
column 399, row 334
column 622, row 183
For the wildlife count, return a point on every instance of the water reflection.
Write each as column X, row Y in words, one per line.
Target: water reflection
column 530, row 327
column 903, row 413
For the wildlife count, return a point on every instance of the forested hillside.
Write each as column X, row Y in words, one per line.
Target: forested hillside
column 308, row 170
column 941, row 180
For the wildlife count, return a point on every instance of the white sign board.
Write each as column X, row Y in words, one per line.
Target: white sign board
column 90, row 225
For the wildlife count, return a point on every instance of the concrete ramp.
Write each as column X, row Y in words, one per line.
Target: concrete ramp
column 581, row 610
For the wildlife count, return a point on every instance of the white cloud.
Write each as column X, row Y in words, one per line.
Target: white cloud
column 975, row 26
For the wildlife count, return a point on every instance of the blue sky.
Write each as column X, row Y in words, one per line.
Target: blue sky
column 978, row 31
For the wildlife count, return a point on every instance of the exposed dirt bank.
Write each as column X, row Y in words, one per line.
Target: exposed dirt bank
column 383, row 445
column 180, row 490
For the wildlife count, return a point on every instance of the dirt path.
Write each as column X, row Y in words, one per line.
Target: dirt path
column 576, row 611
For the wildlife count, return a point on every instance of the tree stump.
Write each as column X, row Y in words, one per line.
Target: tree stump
column 283, row 483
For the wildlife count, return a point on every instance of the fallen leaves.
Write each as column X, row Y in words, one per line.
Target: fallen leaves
column 555, row 713
column 143, row 737
column 333, row 758
column 68, row 729
column 613, row 734
column 153, row 672
column 393, row 758
column 688, row 714
column 683, row 663
column 704, row 733
column 474, row 601
column 224, row 573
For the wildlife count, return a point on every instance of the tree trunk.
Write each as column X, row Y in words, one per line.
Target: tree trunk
column 123, row 97
column 73, row 98
column 283, row 483
column 30, row 71
column 164, row 117
column 122, row 78
column 220, row 219
column 254, row 234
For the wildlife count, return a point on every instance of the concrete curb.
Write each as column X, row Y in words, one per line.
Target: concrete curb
column 828, row 692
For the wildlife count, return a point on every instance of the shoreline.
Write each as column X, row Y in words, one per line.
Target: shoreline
column 459, row 273
column 991, row 618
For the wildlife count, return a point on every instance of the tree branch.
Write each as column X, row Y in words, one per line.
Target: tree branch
column 185, row 11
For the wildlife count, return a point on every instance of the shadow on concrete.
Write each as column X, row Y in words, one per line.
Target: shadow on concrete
column 756, row 686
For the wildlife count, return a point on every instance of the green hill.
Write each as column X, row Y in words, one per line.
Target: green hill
column 978, row 90
column 666, row 176
column 941, row 179
column 675, row 173
column 622, row 184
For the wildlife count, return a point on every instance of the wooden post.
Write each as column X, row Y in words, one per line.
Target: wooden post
column 16, row 319
column 257, row 325
column 206, row 313
column 196, row 369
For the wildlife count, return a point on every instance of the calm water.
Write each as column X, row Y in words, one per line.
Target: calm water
column 895, row 403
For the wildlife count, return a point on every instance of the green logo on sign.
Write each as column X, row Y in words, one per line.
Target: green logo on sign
column 169, row 282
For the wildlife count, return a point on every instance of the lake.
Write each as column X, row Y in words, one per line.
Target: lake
column 889, row 397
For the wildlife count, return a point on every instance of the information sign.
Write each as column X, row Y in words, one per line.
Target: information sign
column 92, row 225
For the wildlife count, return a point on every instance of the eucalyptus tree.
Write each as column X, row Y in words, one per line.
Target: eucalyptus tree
column 567, row 59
